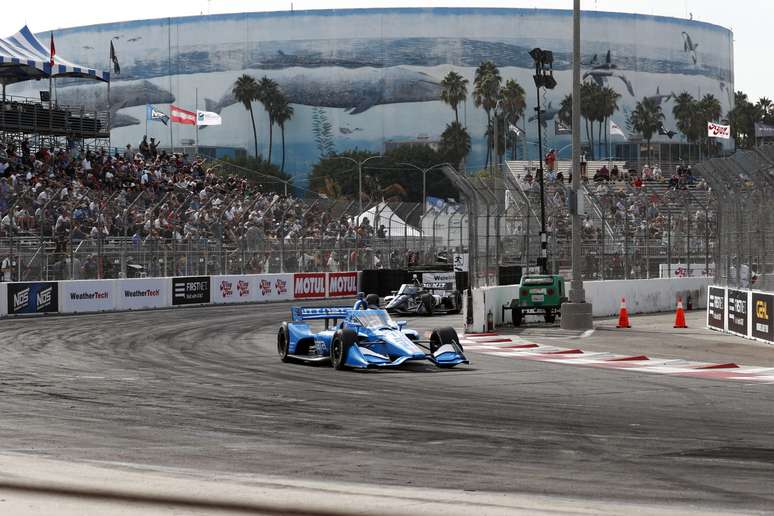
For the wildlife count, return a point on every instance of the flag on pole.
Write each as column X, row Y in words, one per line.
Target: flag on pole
column 114, row 58
column 154, row 114
column 718, row 131
column 616, row 129
column 182, row 116
column 208, row 118
column 52, row 51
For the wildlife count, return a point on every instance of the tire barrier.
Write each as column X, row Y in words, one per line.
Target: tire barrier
column 89, row 296
column 746, row 313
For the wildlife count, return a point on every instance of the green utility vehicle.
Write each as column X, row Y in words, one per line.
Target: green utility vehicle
column 538, row 294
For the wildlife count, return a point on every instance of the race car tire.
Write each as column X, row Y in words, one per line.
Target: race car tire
column 342, row 341
column 372, row 300
column 517, row 316
column 282, row 342
column 427, row 303
column 441, row 336
column 550, row 316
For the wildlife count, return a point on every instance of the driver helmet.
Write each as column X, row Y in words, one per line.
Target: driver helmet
column 415, row 279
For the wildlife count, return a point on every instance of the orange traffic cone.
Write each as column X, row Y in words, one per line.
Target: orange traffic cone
column 680, row 314
column 623, row 316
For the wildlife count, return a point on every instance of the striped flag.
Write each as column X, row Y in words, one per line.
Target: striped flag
column 52, row 51
column 151, row 113
column 183, row 116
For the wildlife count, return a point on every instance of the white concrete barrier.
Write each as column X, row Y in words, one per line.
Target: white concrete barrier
column 3, row 299
column 642, row 296
column 142, row 294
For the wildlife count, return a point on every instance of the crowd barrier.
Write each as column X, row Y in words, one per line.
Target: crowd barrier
column 746, row 313
column 88, row 296
column 642, row 296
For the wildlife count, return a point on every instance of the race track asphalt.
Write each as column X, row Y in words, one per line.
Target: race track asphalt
column 203, row 389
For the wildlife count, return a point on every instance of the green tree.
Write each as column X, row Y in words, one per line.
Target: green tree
column 765, row 110
column 709, row 110
column 245, row 90
column 283, row 112
column 268, row 95
column 646, row 119
column 454, row 89
column 743, row 117
column 607, row 105
column 512, row 105
column 338, row 177
column 486, row 94
column 455, row 144
column 258, row 171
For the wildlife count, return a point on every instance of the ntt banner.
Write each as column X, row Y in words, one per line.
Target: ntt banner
column 342, row 284
column 233, row 289
column 274, row 287
column 309, row 285
column 142, row 294
column 86, row 296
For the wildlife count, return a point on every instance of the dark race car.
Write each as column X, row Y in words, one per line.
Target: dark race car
column 412, row 299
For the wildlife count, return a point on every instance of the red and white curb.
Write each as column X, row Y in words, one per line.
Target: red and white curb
column 518, row 348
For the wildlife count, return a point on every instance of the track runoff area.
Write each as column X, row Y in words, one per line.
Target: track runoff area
column 192, row 410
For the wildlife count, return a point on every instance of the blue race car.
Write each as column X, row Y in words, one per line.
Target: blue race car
column 361, row 338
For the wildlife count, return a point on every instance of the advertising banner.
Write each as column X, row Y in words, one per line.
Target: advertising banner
column 274, row 287
column 86, row 296
column 762, row 324
column 718, row 131
column 439, row 280
column 342, row 284
column 737, row 312
column 33, row 298
column 309, row 285
column 461, row 262
column 139, row 294
column 190, row 290
column 233, row 289
column 716, row 303
column 3, row 299
column 680, row 270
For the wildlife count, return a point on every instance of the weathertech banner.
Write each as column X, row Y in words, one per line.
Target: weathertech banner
column 342, row 284
column 191, row 290
column 274, row 287
column 718, row 131
column 233, row 289
column 33, row 298
column 182, row 116
column 309, row 285
column 86, row 296
column 716, row 302
column 140, row 294
column 737, row 312
column 762, row 306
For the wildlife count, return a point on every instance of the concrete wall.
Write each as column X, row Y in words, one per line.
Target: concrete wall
column 642, row 296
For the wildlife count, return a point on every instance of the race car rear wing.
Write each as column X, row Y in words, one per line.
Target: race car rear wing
column 334, row 313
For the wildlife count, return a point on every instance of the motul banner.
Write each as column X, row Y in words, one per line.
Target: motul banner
column 342, row 284
column 309, row 285
column 274, row 287
column 233, row 289
column 718, row 131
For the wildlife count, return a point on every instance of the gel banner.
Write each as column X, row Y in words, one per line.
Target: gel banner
column 716, row 302
column 86, row 296
column 309, row 285
column 190, row 290
column 342, row 284
column 139, row 294
column 762, row 313
column 33, row 298
column 274, row 287
column 233, row 289
column 737, row 312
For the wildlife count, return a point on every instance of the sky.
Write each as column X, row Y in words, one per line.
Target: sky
column 750, row 20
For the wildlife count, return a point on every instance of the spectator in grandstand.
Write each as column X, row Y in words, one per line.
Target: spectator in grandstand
column 603, row 174
column 145, row 148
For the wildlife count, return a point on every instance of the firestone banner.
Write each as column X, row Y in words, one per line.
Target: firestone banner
column 86, row 296
column 309, row 285
column 140, row 294
column 342, row 284
column 233, row 289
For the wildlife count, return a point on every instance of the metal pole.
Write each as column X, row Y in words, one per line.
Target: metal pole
column 543, row 260
column 359, row 190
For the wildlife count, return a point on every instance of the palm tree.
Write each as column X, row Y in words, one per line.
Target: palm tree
column 684, row 112
column 512, row 104
column 646, row 118
column 283, row 112
column 588, row 96
column 765, row 109
column 486, row 93
column 709, row 111
column 268, row 92
column 454, row 89
column 455, row 143
column 245, row 90
column 608, row 105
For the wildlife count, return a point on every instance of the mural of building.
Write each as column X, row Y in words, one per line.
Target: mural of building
column 363, row 78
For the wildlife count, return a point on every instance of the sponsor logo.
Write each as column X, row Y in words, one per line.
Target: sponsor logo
column 142, row 293
column 281, row 286
column 762, row 310
column 21, row 299
column 243, row 288
column 89, row 296
column 226, row 288
column 265, row 287
column 45, row 296
column 309, row 285
column 191, row 290
column 342, row 284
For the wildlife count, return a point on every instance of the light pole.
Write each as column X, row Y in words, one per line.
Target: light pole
column 576, row 314
column 544, row 78
column 359, row 177
column 424, row 180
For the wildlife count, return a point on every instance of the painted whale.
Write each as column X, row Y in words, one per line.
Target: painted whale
column 355, row 91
